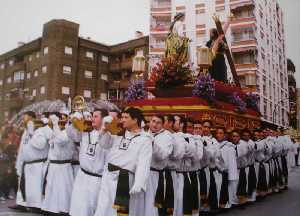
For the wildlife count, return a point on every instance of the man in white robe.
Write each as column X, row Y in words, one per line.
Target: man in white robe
column 60, row 177
column 35, row 155
column 128, row 168
column 92, row 158
column 27, row 120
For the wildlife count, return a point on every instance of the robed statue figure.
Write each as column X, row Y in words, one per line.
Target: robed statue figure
column 177, row 43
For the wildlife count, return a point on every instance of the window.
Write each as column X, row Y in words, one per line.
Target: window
column 46, row 50
column 37, row 55
column 2, row 66
column 36, row 73
column 105, row 58
column 104, row 77
column 11, row 62
column 103, row 96
column 33, row 92
column 1, row 82
column 68, row 50
column 28, row 75
column 8, row 80
column 88, row 74
column 44, row 69
column 18, row 76
column 30, row 58
column 87, row 93
column 7, row 96
column 65, row 90
column 89, row 54
column 42, row 90
column 67, row 69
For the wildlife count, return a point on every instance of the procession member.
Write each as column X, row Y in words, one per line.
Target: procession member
column 177, row 155
column 159, row 180
column 92, row 158
column 239, row 192
column 269, row 143
column 261, row 172
column 197, row 129
column 250, row 170
column 297, row 158
column 27, row 121
column 277, row 169
column 59, row 175
column 128, row 168
column 228, row 171
column 208, row 175
column 187, row 183
column 35, row 154
column 287, row 145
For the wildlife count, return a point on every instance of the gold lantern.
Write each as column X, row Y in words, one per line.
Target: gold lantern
column 138, row 65
column 204, row 58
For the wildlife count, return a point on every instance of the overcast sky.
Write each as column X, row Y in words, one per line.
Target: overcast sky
column 107, row 21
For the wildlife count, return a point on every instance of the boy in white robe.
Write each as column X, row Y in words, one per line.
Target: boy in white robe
column 250, row 170
column 209, row 175
column 163, row 141
column 228, row 169
column 239, row 191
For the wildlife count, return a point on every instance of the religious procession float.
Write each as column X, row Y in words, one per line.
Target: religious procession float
column 175, row 88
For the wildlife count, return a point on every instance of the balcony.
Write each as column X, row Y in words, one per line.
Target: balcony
column 248, row 66
column 239, row 20
column 121, row 84
column 125, row 64
column 236, row 5
column 159, row 5
column 157, row 47
column 160, row 27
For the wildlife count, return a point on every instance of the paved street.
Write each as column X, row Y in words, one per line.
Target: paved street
column 283, row 204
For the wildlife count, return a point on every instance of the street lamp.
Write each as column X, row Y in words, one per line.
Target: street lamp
column 138, row 65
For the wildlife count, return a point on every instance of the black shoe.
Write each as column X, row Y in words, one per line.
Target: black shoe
column 35, row 210
column 18, row 208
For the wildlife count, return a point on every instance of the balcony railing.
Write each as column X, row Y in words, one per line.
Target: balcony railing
column 243, row 19
column 160, row 27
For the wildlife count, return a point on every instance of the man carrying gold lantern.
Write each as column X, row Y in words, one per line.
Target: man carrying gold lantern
column 86, row 130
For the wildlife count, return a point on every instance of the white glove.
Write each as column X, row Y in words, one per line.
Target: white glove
column 54, row 119
column 87, row 115
column 107, row 119
column 77, row 115
column 135, row 189
column 45, row 120
column 30, row 127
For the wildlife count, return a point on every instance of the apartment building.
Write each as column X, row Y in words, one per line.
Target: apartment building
column 256, row 38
